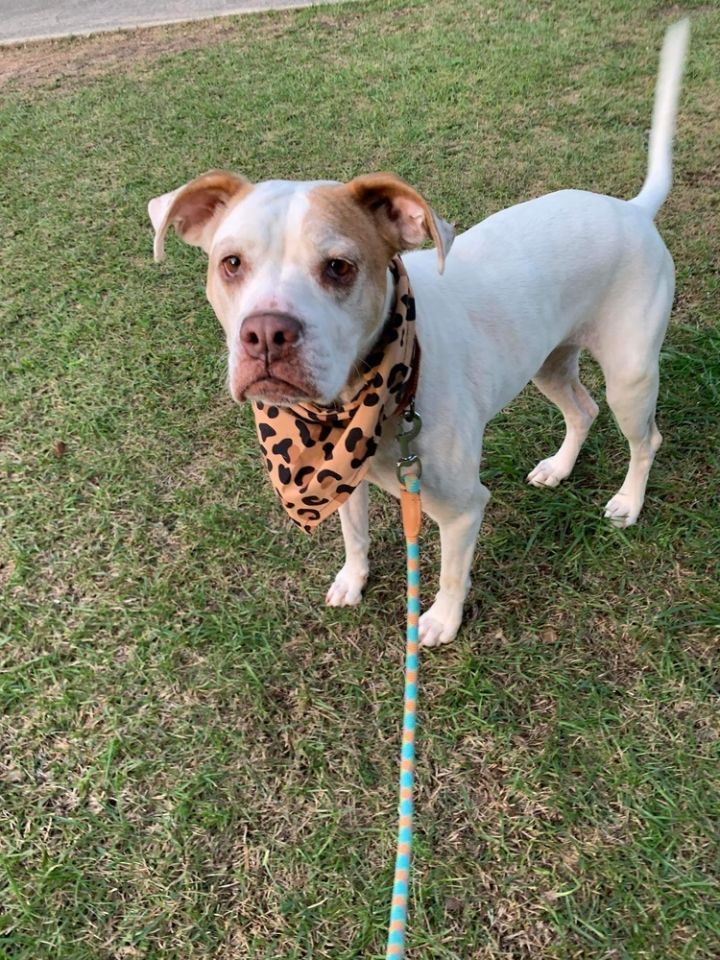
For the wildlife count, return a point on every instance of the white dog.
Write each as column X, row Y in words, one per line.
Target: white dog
column 298, row 276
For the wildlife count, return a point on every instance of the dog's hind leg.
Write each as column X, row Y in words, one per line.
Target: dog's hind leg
column 628, row 352
column 632, row 397
column 348, row 584
column 558, row 380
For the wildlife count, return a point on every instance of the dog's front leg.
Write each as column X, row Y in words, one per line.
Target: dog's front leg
column 348, row 585
column 459, row 527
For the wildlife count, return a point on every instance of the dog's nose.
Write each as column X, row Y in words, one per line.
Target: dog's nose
column 270, row 336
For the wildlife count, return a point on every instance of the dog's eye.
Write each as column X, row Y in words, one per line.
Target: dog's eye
column 231, row 265
column 340, row 271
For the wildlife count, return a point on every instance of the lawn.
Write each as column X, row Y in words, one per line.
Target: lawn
column 197, row 759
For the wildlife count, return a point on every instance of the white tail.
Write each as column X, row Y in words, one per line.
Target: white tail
column 672, row 62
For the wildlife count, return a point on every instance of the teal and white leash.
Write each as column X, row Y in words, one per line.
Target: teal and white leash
column 409, row 471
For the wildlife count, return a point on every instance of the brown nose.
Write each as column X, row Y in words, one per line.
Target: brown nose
column 270, row 336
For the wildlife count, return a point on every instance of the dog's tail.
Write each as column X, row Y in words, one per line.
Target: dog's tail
column 667, row 92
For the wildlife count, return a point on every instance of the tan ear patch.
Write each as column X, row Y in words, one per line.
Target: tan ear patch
column 195, row 210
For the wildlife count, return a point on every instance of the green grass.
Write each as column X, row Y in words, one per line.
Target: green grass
column 197, row 759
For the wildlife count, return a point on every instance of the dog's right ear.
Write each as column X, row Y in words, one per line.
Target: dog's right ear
column 195, row 210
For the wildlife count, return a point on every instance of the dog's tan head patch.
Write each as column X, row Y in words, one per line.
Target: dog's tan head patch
column 384, row 215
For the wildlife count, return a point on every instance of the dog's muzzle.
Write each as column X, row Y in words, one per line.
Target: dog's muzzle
column 269, row 364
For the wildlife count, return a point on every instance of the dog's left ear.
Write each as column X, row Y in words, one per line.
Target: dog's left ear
column 404, row 218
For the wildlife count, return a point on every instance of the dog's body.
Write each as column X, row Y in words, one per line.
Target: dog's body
column 521, row 295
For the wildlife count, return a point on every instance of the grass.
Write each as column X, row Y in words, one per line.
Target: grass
column 197, row 759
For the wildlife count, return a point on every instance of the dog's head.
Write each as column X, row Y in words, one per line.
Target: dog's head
column 298, row 272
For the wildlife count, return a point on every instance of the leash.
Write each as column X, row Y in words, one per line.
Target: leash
column 409, row 471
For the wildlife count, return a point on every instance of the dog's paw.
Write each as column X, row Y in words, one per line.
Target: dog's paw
column 548, row 473
column 347, row 588
column 621, row 511
column 440, row 623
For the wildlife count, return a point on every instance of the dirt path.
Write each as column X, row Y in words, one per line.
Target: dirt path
column 27, row 20
column 67, row 61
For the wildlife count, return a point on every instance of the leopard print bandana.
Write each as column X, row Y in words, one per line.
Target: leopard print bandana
column 316, row 456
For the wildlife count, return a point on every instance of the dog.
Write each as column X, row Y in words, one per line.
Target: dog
column 298, row 277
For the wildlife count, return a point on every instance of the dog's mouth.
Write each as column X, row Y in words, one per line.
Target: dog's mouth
column 280, row 382
column 275, row 390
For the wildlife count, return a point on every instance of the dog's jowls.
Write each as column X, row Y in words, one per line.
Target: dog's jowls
column 298, row 276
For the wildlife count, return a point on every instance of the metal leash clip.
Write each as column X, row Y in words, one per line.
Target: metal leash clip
column 407, row 458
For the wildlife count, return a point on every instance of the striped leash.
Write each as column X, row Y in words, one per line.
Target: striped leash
column 409, row 470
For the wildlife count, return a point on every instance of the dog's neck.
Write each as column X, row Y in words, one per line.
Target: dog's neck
column 355, row 379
